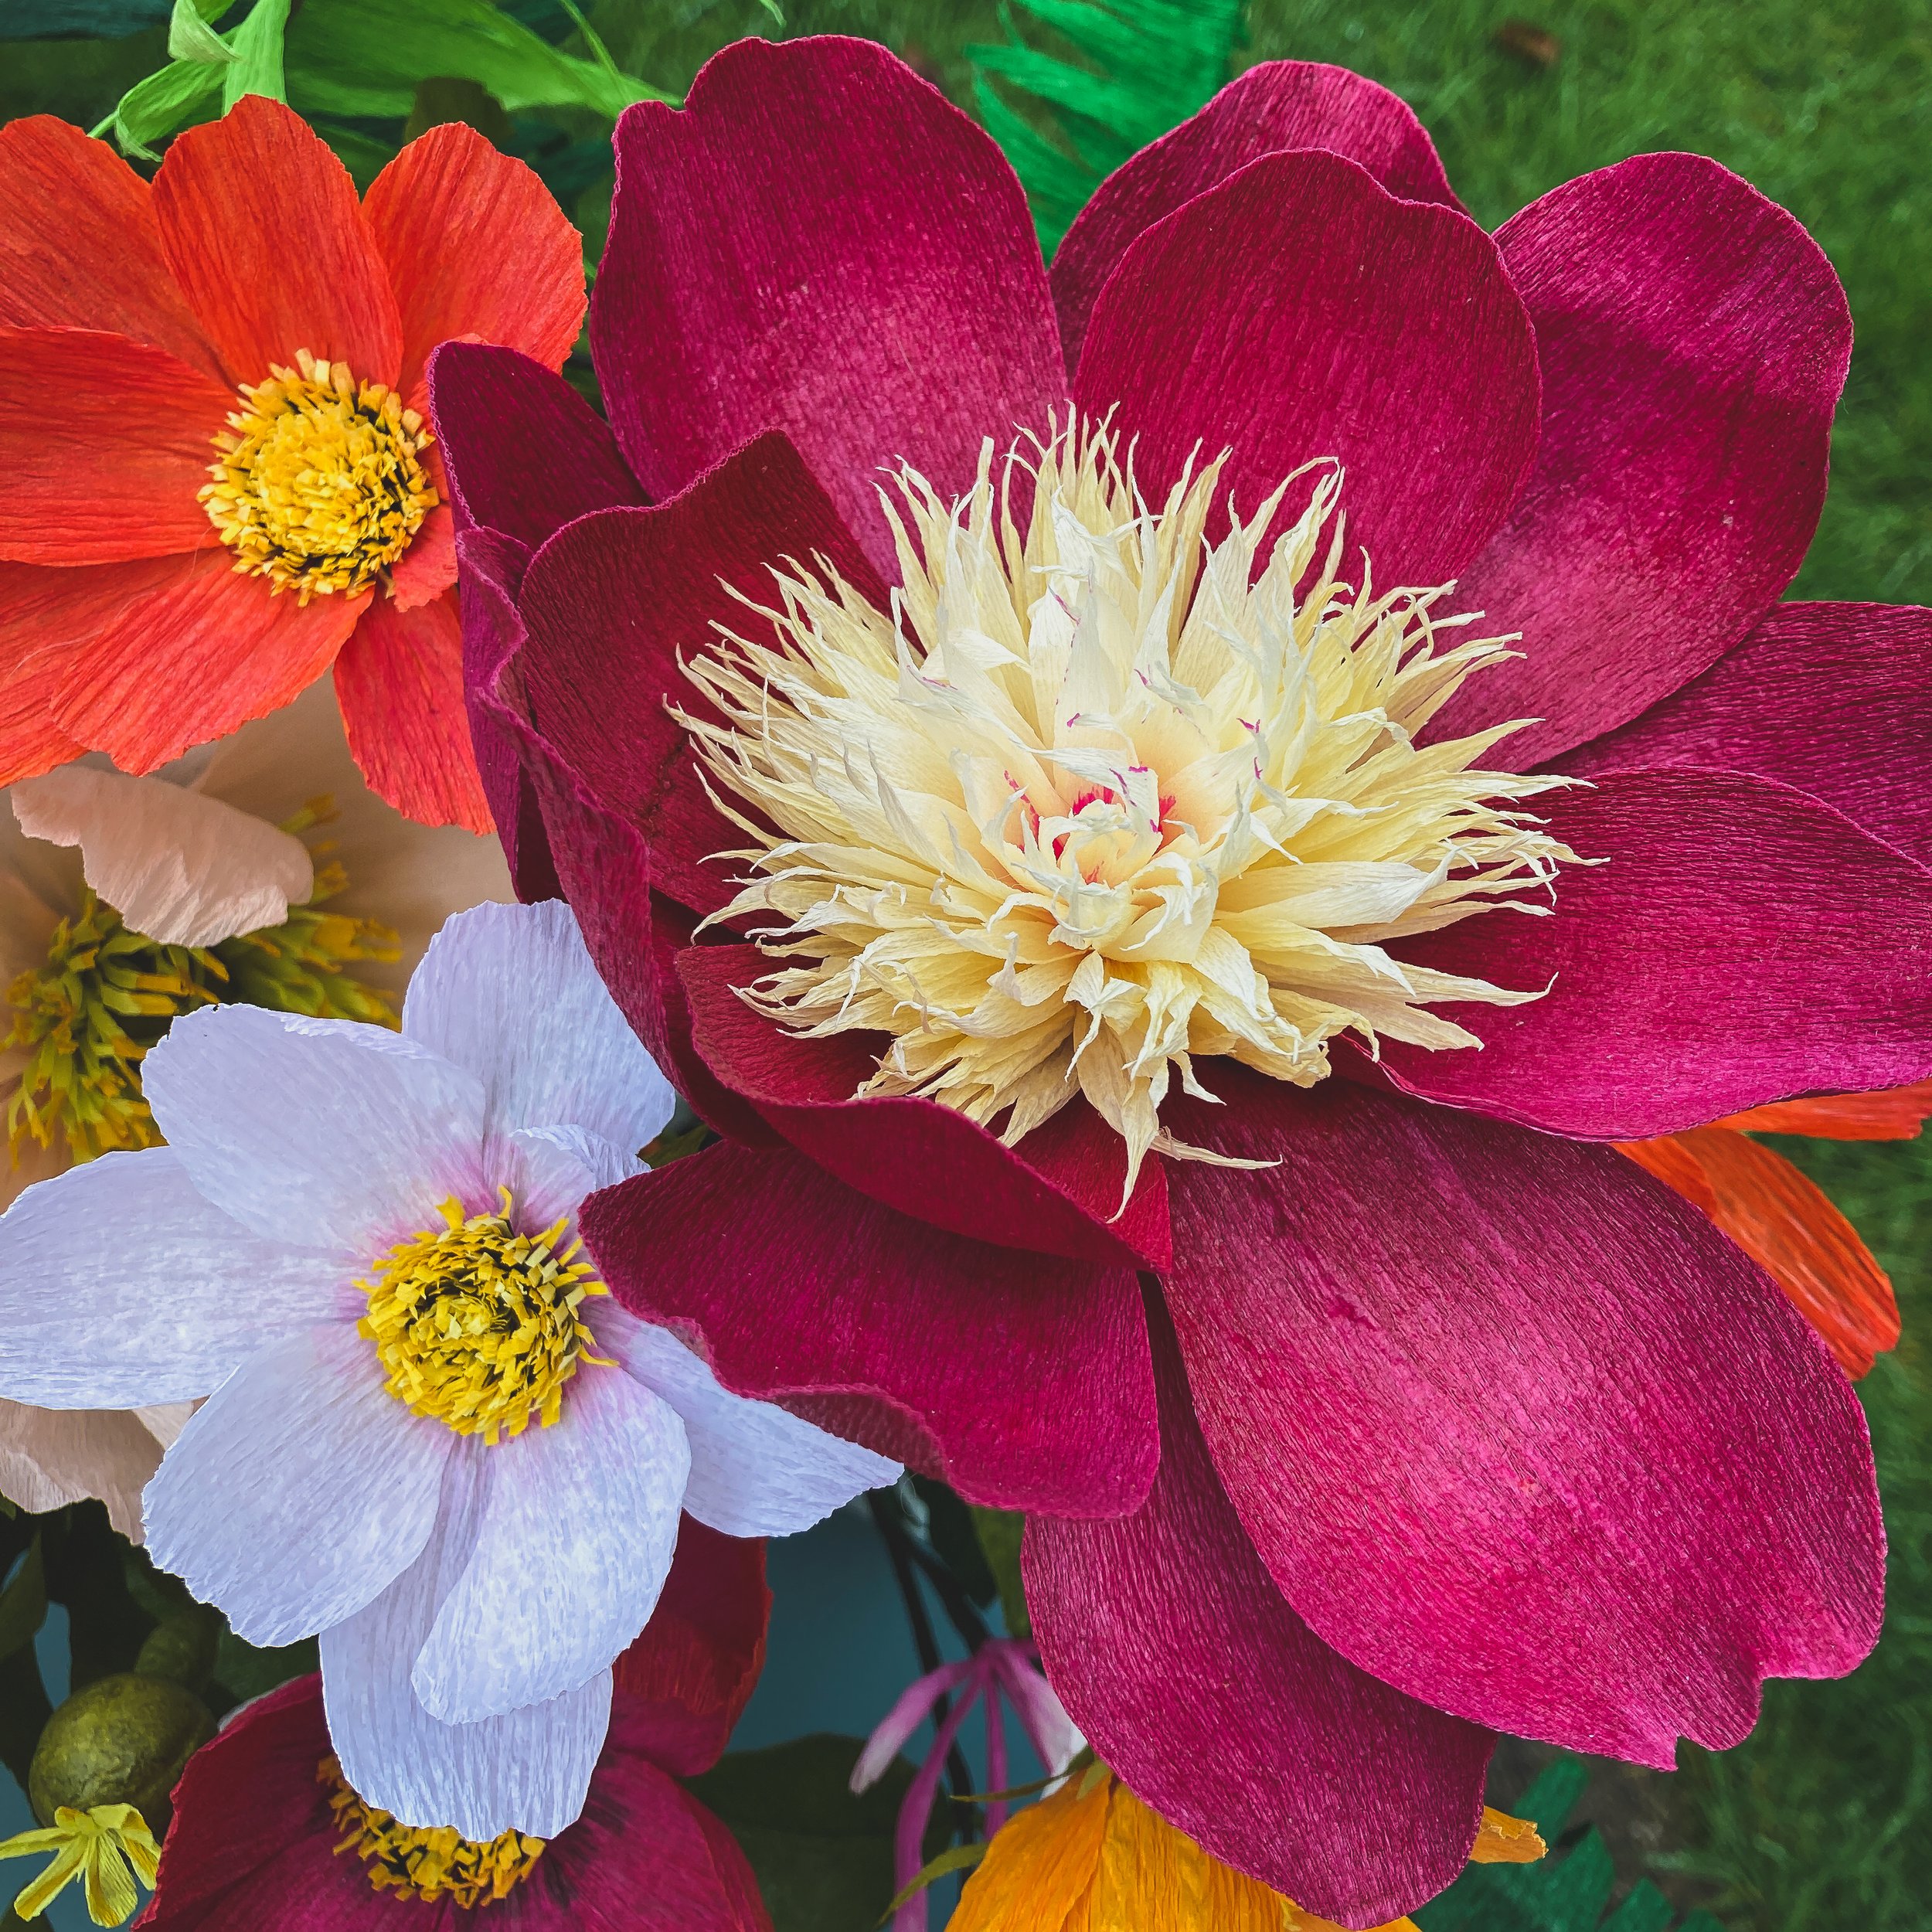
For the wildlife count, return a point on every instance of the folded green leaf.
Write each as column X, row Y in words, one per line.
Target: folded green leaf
column 191, row 38
column 257, row 45
column 955, row 1860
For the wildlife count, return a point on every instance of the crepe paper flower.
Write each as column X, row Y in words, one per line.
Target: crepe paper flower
column 1002, row 1667
column 267, row 1831
column 106, row 1847
column 1092, row 1854
column 1446, row 1419
column 429, row 1435
column 49, row 1458
column 220, row 479
column 1893, row 1113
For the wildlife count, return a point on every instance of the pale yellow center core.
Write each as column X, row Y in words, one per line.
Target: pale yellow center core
column 319, row 485
column 427, row 1865
column 477, row 1325
column 1096, row 797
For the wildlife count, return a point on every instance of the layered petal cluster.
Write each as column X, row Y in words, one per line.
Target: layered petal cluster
column 266, row 1832
column 1419, row 1413
column 220, row 482
column 429, row 1437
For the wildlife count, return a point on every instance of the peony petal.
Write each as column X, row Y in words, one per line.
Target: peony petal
column 1276, row 105
column 550, row 1170
column 524, row 452
column 49, row 1458
column 573, row 1542
column 1176, row 1655
column 1024, row 1382
column 334, row 1133
column 1694, row 340
column 527, row 1771
column 756, row 1470
column 105, row 442
column 475, row 247
column 615, row 603
column 1891, row 1113
column 509, row 992
column 1789, row 1227
column 400, row 683
column 1744, row 942
column 79, row 245
column 819, row 242
column 180, row 867
column 1828, row 698
column 1299, row 313
column 205, row 652
column 125, row 1286
column 230, row 197
column 299, row 1490
column 1058, row 1192
column 428, row 568
column 1588, row 1536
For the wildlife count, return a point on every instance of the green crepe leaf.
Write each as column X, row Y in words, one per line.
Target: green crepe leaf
column 191, row 38
column 999, row 1532
column 257, row 47
column 172, row 97
column 23, row 1604
column 823, row 1857
column 955, row 1860
column 1146, row 66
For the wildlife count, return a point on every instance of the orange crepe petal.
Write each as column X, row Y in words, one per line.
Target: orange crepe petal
column 261, row 226
column 203, row 653
column 1790, row 1229
column 1893, row 1114
column 104, row 443
column 428, row 567
column 475, row 247
column 80, row 247
column 400, row 686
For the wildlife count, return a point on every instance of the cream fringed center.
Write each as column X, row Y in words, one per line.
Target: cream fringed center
column 1092, row 800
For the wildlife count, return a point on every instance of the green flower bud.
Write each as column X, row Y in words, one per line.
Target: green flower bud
column 122, row 1740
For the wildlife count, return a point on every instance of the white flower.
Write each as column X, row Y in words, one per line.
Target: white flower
column 430, row 1436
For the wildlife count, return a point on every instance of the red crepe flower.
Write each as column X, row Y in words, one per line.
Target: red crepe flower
column 1446, row 1418
column 246, row 314
column 265, row 1833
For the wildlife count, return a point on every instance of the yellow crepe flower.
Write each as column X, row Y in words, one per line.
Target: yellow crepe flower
column 107, row 1847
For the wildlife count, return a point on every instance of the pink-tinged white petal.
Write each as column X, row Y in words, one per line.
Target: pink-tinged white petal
column 549, row 1170
column 121, row 1285
column 755, row 1469
column 578, row 1523
column 509, row 992
column 51, row 1457
column 909, row 1710
column 181, row 868
column 1056, row 1739
column 331, row 1133
column 529, row 1771
column 299, row 1490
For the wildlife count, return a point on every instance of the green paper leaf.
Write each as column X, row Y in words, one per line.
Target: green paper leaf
column 999, row 1532
column 957, row 1859
column 191, row 38
column 23, row 1604
column 257, row 45
column 172, row 97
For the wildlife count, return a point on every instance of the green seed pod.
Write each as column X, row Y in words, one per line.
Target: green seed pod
column 182, row 1649
column 122, row 1740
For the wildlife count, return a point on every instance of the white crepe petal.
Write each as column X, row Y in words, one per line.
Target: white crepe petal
column 509, row 991
column 299, row 1490
column 331, row 1133
column 755, row 1469
column 121, row 1285
column 579, row 1524
column 183, row 869
column 528, row 1771
column 550, row 1169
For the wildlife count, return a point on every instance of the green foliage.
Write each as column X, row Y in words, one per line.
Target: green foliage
column 1143, row 66
column 999, row 1532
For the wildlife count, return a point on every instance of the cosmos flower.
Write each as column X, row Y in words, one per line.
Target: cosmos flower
column 429, row 1435
column 195, row 859
column 1016, row 743
column 267, row 1831
column 220, row 480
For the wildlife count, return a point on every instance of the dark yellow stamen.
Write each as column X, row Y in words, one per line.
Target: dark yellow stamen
column 477, row 1324
column 320, row 485
column 427, row 1865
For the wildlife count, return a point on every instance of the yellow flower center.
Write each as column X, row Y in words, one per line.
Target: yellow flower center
column 319, row 483
column 477, row 1324
column 1096, row 797
column 428, row 1864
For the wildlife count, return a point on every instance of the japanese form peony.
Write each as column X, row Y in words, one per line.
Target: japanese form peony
column 1169, row 814
column 220, row 480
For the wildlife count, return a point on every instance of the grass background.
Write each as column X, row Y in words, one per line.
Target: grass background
column 1823, row 1819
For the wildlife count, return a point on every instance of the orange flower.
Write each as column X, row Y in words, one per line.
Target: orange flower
column 1785, row 1223
column 220, row 480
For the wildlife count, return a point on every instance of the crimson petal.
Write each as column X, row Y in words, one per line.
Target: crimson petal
column 1024, row 1382
column 1514, row 1427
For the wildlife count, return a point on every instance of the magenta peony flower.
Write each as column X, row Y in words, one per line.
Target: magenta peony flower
column 1164, row 1010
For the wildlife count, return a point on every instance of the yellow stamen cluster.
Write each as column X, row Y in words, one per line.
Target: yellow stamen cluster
column 319, row 485
column 1097, row 797
column 427, row 1865
column 477, row 1324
